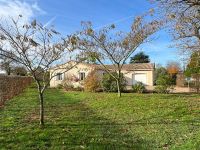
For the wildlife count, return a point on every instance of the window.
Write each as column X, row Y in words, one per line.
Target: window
column 82, row 76
column 59, row 76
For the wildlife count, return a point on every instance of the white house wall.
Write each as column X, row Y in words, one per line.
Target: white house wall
column 73, row 72
column 87, row 69
column 129, row 77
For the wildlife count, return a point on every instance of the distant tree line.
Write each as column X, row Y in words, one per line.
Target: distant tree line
column 12, row 68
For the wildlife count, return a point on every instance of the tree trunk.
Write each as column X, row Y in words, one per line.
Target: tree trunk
column 41, row 98
column 197, row 84
column 8, row 71
column 119, row 82
column 119, row 88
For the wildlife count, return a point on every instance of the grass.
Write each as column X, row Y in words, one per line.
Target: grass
column 78, row 120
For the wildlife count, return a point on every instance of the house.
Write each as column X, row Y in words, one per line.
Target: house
column 133, row 73
column 2, row 72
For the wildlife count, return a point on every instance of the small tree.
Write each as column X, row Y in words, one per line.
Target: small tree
column 164, row 83
column 159, row 71
column 36, row 48
column 109, row 83
column 92, row 82
column 107, row 45
column 140, row 58
column 138, row 87
column 173, row 69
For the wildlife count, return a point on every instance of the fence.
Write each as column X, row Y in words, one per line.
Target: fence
column 11, row 86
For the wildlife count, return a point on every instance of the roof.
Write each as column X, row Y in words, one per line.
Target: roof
column 130, row 67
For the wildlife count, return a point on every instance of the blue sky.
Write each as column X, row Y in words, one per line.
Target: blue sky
column 66, row 15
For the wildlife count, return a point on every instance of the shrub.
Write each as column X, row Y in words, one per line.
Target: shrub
column 138, row 87
column 159, row 71
column 59, row 86
column 164, row 83
column 109, row 83
column 68, row 86
column 78, row 88
column 92, row 83
column 72, row 83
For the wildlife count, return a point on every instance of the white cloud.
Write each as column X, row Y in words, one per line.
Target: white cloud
column 14, row 8
column 157, row 47
column 37, row 8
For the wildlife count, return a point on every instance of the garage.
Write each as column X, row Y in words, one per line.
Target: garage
column 140, row 77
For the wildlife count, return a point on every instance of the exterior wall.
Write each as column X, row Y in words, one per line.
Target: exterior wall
column 73, row 73
column 129, row 77
column 87, row 69
column 180, row 80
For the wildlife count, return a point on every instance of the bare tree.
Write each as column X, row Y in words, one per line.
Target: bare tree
column 183, row 17
column 107, row 45
column 36, row 48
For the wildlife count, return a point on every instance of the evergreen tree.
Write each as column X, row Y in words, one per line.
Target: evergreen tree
column 140, row 58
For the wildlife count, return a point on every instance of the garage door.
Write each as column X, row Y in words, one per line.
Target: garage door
column 140, row 77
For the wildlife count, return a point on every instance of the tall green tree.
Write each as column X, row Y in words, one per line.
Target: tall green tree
column 193, row 69
column 140, row 58
column 6, row 64
column 159, row 71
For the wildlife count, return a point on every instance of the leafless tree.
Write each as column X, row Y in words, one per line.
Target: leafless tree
column 183, row 17
column 108, row 45
column 35, row 47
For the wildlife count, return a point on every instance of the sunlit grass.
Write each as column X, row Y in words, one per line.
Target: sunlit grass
column 78, row 120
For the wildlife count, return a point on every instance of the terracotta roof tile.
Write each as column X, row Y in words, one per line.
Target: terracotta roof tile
column 129, row 67
column 136, row 66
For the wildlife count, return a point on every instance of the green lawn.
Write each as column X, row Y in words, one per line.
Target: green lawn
column 77, row 120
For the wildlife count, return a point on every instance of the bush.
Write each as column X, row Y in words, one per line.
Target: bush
column 92, row 83
column 78, row 88
column 159, row 71
column 68, row 86
column 59, row 86
column 109, row 83
column 138, row 87
column 164, row 83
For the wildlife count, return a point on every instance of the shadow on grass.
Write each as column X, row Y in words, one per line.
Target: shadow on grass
column 76, row 126
column 83, row 128
column 71, row 124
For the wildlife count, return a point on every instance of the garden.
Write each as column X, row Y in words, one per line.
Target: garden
column 84, row 120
